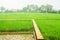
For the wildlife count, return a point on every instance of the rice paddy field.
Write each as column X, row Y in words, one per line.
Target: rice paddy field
column 48, row 23
column 16, row 25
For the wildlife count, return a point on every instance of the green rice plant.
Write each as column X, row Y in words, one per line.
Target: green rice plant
column 15, row 25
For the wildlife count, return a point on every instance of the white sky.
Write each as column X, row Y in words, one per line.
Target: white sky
column 19, row 4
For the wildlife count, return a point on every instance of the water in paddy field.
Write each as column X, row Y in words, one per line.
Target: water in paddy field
column 17, row 37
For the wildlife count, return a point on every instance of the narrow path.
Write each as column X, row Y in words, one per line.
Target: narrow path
column 17, row 37
column 37, row 31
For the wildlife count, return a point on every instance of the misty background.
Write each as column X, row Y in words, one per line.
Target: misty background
column 29, row 5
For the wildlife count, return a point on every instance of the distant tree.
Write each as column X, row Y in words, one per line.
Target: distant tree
column 6, row 10
column 25, row 9
column 31, row 8
column 42, row 8
column 2, row 8
column 59, row 11
column 48, row 8
column 18, row 10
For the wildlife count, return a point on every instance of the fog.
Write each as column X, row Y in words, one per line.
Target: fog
column 19, row 4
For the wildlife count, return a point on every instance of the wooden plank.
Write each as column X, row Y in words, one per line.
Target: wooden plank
column 37, row 31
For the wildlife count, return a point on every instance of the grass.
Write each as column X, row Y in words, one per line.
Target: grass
column 29, row 16
column 15, row 25
column 49, row 24
column 50, row 29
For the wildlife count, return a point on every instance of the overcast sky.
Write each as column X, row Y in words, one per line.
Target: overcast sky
column 19, row 4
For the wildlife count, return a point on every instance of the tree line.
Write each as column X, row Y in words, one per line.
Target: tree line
column 33, row 8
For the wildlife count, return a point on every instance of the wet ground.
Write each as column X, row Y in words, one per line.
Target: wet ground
column 17, row 37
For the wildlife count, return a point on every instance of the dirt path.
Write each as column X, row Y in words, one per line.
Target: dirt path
column 17, row 37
